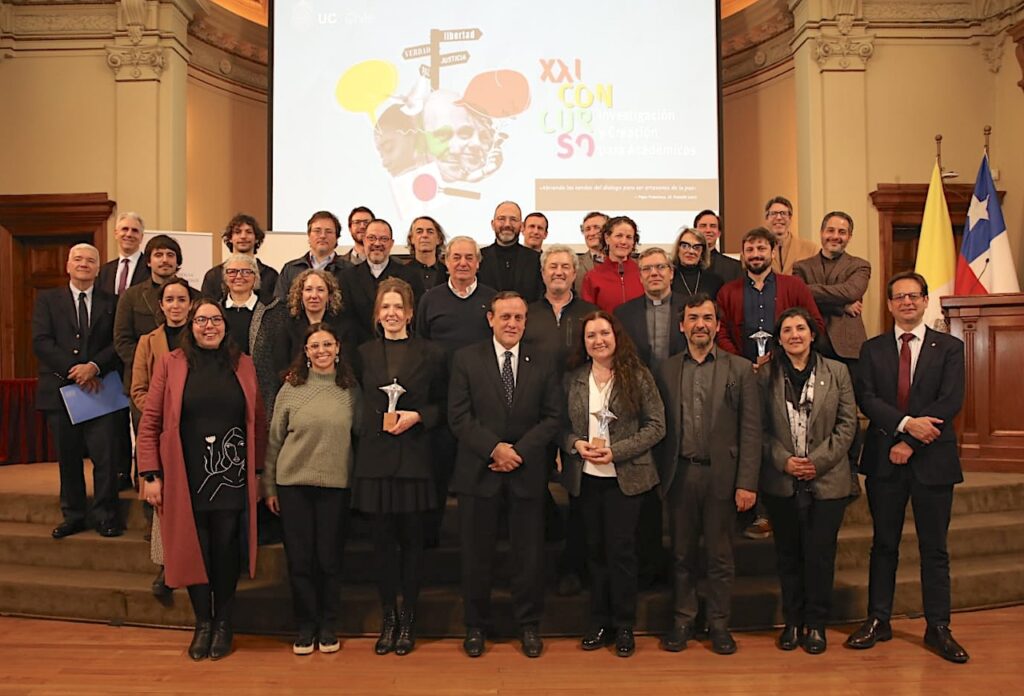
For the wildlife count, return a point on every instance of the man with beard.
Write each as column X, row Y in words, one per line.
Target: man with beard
column 426, row 243
column 778, row 216
column 358, row 220
column 243, row 235
column 591, row 228
column 725, row 267
column 322, row 236
column 506, row 264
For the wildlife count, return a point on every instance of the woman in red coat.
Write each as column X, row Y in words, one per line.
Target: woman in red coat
column 201, row 445
column 617, row 280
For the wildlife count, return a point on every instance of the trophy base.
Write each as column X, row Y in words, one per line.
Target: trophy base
column 390, row 419
column 598, row 442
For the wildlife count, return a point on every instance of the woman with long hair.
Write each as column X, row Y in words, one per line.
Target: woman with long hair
column 314, row 298
column 614, row 416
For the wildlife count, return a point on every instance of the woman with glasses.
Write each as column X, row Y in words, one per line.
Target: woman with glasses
column 693, row 272
column 200, row 450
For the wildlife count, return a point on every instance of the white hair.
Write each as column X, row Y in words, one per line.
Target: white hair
column 248, row 260
column 130, row 214
column 559, row 249
column 468, row 240
column 83, row 245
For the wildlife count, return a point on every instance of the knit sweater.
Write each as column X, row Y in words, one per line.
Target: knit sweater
column 310, row 441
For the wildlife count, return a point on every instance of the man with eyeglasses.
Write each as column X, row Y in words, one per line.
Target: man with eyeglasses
column 322, row 235
column 242, row 235
column 358, row 220
column 359, row 283
column 910, row 384
column 725, row 267
column 507, row 264
column 778, row 217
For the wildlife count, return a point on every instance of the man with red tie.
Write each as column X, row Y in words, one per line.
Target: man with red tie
column 910, row 384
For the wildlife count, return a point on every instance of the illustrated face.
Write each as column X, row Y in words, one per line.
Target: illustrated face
column 175, row 304
column 708, row 226
column 208, row 327
column 621, row 241
column 795, row 336
column 691, row 249
column 425, row 236
column 699, row 325
column 378, row 242
column 314, row 294
column 508, row 320
column 655, row 274
column 163, row 263
column 599, row 339
column 591, row 229
column 393, row 314
column 535, row 231
column 756, row 255
column 559, row 273
column 507, row 223
column 323, row 237
column 243, row 239
column 239, row 277
column 458, row 138
column 462, row 262
column 128, row 234
column 835, row 236
column 908, row 302
column 83, row 265
column 358, row 226
column 322, row 350
column 778, row 219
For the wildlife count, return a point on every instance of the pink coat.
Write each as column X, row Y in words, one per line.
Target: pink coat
column 160, row 450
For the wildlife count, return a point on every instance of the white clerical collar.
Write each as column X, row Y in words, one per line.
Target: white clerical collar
column 377, row 268
column 249, row 304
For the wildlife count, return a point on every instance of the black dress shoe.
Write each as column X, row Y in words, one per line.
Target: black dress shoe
column 676, row 639
column 596, row 639
column 939, row 639
column 870, row 632
column 388, row 632
column 625, row 645
column 814, row 641
column 789, row 638
column 109, row 528
column 223, row 637
column 722, row 642
column 201, row 637
column 66, row 529
column 474, row 642
column 533, row 646
column 406, row 633
column 159, row 587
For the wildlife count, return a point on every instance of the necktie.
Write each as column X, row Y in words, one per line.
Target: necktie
column 903, row 381
column 83, row 324
column 122, row 278
column 506, row 377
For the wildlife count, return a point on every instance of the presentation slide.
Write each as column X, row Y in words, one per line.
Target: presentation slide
column 449, row 108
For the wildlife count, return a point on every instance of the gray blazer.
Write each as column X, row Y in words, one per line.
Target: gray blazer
column 632, row 435
column 830, row 432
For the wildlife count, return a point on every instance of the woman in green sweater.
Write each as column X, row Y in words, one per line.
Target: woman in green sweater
column 307, row 473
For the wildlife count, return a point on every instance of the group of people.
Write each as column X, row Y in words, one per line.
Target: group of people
column 648, row 382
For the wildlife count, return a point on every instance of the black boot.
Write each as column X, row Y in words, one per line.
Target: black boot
column 388, row 631
column 223, row 637
column 200, row 646
column 406, row 632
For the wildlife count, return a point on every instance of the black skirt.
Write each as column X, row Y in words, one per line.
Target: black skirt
column 381, row 496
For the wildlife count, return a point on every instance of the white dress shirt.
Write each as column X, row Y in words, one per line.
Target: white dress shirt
column 598, row 399
column 462, row 295
column 133, row 261
column 249, row 304
column 915, row 351
column 499, row 351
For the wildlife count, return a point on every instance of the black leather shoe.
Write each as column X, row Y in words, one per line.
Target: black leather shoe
column 939, row 639
column 200, row 646
column 109, row 528
column 722, row 642
column 406, row 633
column 676, row 639
column 388, row 632
column 223, row 638
column 789, row 638
column 625, row 645
column 474, row 642
column 66, row 529
column 533, row 646
column 814, row 641
column 596, row 639
column 159, row 587
column 870, row 632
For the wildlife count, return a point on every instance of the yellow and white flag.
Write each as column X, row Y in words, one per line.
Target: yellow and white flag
column 936, row 254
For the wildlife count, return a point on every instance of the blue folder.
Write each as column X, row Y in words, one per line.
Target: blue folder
column 84, row 406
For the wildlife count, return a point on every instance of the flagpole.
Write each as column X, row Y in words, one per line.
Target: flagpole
column 938, row 150
column 988, row 132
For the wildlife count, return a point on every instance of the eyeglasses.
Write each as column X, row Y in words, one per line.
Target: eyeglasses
column 374, row 239
column 912, row 296
column 212, row 321
column 779, row 213
column 360, row 223
column 321, row 232
column 660, row 267
column 686, row 246
column 326, row 345
column 244, row 272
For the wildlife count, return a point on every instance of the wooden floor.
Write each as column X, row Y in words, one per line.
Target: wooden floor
column 54, row 657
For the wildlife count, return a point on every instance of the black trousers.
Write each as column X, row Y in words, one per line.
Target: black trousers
column 221, row 543
column 933, row 506
column 610, row 518
column 650, row 552
column 398, row 546
column 99, row 439
column 573, row 558
column 478, row 527
column 695, row 511
column 805, row 554
column 313, row 523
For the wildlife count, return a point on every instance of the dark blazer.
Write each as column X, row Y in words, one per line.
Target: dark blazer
column 479, row 418
column 937, row 390
column 527, row 281
column 107, row 280
column 830, row 431
column 790, row 291
column 409, row 455
column 735, row 425
column 291, row 270
column 725, row 267
column 556, row 338
column 57, row 342
column 359, row 293
column 632, row 434
column 213, row 283
column 633, row 316
column 846, row 282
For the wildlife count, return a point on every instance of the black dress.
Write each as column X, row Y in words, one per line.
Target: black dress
column 213, row 435
column 393, row 495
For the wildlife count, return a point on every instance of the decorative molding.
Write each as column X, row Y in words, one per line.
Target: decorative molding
column 757, row 59
column 133, row 14
column 224, row 66
column 1016, row 32
column 921, row 10
column 754, row 26
column 68, row 24
column 848, row 49
column 207, row 31
column 130, row 63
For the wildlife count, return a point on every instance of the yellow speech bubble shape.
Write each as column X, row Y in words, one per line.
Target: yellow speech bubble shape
column 364, row 86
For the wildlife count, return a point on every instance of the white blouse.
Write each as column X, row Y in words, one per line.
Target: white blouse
column 598, row 399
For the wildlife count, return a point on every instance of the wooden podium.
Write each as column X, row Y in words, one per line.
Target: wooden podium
column 991, row 424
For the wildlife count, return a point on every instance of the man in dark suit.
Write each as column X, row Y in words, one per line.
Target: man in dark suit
column 910, row 384
column 652, row 320
column 129, row 268
column 73, row 338
column 322, row 236
column 708, row 465
column 507, row 264
column 725, row 267
column 243, row 235
column 359, row 283
column 504, row 406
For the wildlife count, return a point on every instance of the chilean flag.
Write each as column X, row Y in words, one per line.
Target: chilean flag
column 985, row 265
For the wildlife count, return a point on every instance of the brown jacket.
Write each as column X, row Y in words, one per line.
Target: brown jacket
column 843, row 283
column 151, row 348
column 796, row 248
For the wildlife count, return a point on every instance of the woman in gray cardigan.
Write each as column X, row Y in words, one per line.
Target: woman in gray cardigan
column 609, row 467
column 806, row 482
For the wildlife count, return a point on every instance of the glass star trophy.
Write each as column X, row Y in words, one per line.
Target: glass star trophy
column 762, row 337
column 604, row 420
column 393, row 391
